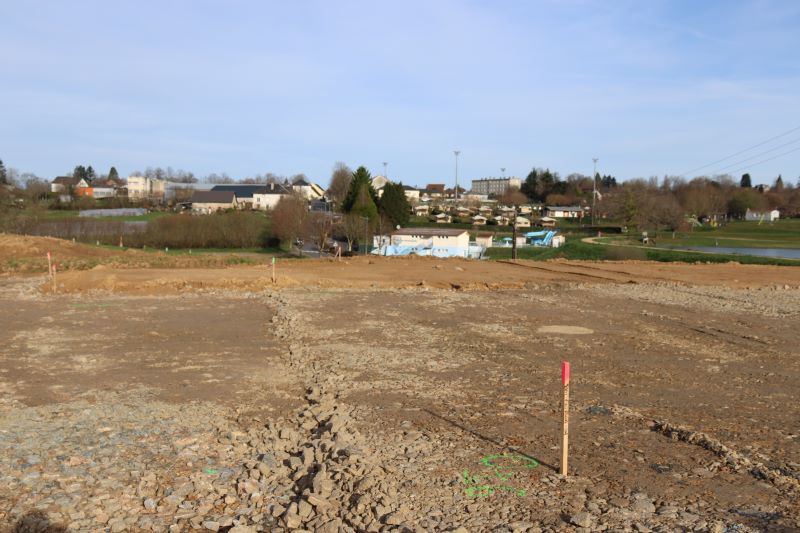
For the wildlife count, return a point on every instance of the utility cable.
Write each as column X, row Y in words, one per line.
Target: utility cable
column 760, row 154
column 765, row 160
column 784, row 134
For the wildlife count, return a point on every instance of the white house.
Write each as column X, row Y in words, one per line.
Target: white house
column 484, row 239
column 766, row 216
column 311, row 191
column 65, row 184
column 479, row 220
column 474, row 196
column 431, row 237
column 268, row 196
column 522, row 222
column 563, row 212
column 412, row 193
column 244, row 192
column 206, row 202
column 421, row 209
column 442, row 218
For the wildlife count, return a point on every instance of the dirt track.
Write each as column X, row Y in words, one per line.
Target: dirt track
column 177, row 398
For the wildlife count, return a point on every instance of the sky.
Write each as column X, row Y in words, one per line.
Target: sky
column 248, row 87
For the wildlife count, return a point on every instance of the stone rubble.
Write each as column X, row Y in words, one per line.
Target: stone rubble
column 142, row 465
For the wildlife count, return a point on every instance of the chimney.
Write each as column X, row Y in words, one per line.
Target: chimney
column 272, row 185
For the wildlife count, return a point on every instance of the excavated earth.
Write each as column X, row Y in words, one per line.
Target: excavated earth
column 361, row 400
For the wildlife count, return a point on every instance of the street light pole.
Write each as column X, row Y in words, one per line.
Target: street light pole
column 456, row 152
column 594, row 190
column 385, row 172
column 503, row 170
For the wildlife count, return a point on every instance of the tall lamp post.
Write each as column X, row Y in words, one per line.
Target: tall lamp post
column 456, row 152
column 594, row 190
column 503, row 170
column 385, row 172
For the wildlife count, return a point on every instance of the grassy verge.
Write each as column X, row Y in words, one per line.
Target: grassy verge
column 693, row 257
column 573, row 249
column 578, row 250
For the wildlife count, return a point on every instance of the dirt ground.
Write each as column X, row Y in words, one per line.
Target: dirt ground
column 406, row 395
column 420, row 272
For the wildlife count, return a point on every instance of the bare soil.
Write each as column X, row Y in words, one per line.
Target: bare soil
column 421, row 272
column 402, row 395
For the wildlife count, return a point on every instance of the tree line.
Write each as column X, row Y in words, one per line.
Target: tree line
column 360, row 211
column 666, row 203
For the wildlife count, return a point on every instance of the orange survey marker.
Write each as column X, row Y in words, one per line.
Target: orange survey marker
column 565, row 424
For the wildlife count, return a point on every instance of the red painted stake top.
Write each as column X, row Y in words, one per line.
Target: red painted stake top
column 565, row 373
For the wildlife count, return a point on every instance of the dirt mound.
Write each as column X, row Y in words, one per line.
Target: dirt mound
column 17, row 247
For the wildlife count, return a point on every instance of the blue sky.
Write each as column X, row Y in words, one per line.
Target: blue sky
column 649, row 87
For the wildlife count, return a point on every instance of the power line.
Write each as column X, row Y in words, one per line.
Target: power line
column 784, row 134
column 766, row 160
column 760, row 154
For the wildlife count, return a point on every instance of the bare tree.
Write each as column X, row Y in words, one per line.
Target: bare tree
column 289, row 218
column 352, row 228
column 218, row 178
column 513, row 197
column 318, row 229
column 340, row 183
column 36, row 189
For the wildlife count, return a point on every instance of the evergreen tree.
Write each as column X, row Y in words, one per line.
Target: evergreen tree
column 361, row 193
column 113, row 174
column 609, row 181
column 394, row 204
column 529, row 185
column 779, row 183
column 746, row 182
column 364, row 204
column 90, row 175
column 80, row 173
column 3, row 174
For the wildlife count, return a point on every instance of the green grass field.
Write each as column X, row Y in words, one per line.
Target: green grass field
column 780, row 234
column 577, row 250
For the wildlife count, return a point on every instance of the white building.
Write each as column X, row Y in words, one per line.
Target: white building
column 378, row 183
column 310, row 191
column 269, row 196
column 496, row 186
column 766, row 216
column 206, row 202
column 66, row 184
column 575, row 211
column 412, row 193
column 474, row 196
column 522, row 222
column 143, row 188
column 429, row 241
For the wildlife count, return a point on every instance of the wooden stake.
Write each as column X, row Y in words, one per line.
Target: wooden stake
column 565, row 425
column 54, row 279
column 273, row 270
column 49, row 266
